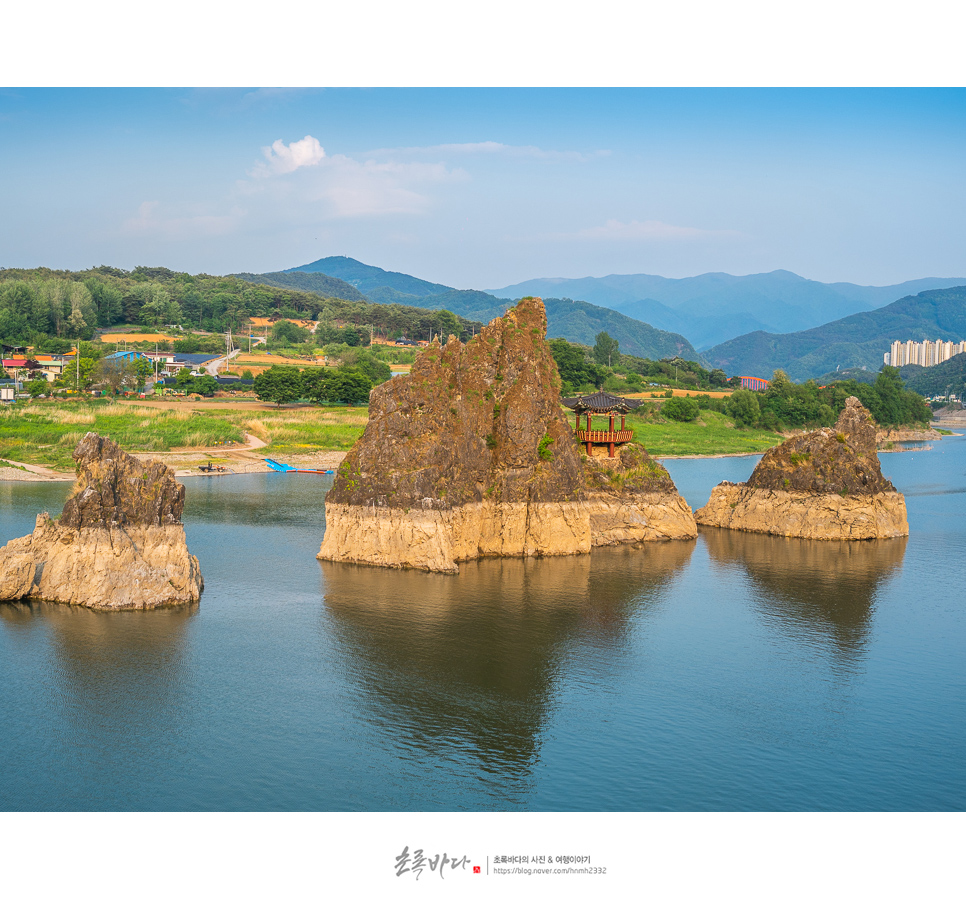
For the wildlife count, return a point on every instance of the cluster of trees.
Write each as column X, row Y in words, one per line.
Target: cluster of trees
column 89, row 371
column 682, row 409
column 327, row 333
column 681, row 373
column 806, row 405
column 393, row 321
column 284, row 384
column 43, row 302
column 286, row 333
column 202, row 384
column 43, row 308
column 584, row 367
column 349, row 383
column 576, row 372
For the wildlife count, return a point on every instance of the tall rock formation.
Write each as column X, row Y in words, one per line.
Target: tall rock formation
column 471, row 455
column 119, row 542
column 824, row 485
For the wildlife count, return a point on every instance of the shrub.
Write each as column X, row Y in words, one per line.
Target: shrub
column 680, row 409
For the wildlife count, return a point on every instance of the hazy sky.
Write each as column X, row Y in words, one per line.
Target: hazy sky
column 482, row 188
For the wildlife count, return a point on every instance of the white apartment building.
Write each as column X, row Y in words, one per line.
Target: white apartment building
column 925, row 354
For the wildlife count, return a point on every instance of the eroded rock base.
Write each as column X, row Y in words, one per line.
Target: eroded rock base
column 438, row 540
column 115, row 567
column 824, row 516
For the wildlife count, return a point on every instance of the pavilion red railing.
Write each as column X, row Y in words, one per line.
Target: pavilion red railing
column 605, row 437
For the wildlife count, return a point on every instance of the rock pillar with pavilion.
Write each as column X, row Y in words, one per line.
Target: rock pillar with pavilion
column 601, row 403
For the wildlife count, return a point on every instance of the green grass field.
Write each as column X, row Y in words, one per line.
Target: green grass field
column 46, row 433
column 711, row 433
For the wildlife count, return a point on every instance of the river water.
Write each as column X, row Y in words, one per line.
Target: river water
column 737, row 672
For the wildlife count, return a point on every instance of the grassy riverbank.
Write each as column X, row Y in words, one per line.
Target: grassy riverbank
column 46, row 433
column 710, row 434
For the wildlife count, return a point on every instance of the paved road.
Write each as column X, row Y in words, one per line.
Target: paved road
column 214, row 367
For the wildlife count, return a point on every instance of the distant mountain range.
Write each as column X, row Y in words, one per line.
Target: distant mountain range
column 856, row 341
column 716, row 307
column 751, row 324
column 576, row 321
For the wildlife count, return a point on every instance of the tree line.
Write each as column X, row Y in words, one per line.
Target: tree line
column 585, row 367
column 37, row 305
column 785, row 405
column 349, row 383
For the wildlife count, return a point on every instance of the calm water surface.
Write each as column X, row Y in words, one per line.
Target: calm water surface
column 731, row 673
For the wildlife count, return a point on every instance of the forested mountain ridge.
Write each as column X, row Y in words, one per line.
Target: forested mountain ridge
column 577, row 321
column 859, row 340
column 395, row 287
column 581, row 322
column 715, row 307
column 313, row 283
column 367, row 277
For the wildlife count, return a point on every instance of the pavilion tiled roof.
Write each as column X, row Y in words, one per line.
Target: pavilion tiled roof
column 601, row 402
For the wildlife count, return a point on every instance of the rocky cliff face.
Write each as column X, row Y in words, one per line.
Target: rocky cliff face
column 114, row 488
column 118, row 544
column 471, row 455
column 824, row 485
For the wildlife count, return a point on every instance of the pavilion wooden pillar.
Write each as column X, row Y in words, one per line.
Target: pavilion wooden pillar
column 590, row 445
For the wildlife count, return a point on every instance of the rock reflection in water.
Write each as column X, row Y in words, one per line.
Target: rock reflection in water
column 121, row 673
column 826, row 589
column 472, row 661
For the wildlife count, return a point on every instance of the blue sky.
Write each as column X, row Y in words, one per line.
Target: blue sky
column 486, row 187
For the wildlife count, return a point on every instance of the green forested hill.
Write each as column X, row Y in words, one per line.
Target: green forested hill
column 40, row 303
column 856, row 341
column 578, row 321
column 314, row 283
column 933, row 381
column 475, row 304
column 367, row 277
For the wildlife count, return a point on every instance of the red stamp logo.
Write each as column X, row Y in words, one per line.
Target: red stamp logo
column 476, row 870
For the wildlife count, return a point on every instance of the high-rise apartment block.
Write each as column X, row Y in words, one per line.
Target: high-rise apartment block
column 924, row 353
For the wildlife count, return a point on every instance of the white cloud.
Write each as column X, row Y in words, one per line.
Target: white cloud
column 298, row 185
column 339, row 186
column 283, row 158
